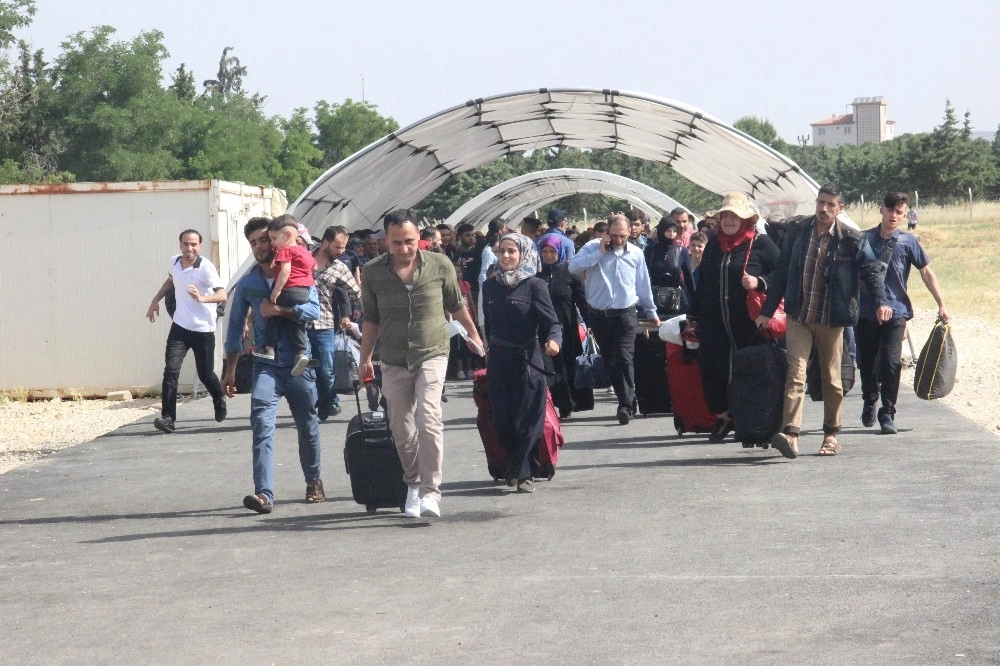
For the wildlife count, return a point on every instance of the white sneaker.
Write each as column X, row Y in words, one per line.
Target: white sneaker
column 301, row 363
column 412, row 507
column 429, row 505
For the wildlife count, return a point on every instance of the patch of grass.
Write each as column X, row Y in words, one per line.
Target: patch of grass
column 963, row 256
column 15, row 395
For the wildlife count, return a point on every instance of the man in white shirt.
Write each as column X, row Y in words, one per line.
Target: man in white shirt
column 197, row 289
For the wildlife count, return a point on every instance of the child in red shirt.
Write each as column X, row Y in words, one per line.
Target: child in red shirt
column 293, row 277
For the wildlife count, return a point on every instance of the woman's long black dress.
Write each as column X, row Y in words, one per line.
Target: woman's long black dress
column 517, row 318
column 568, row 294
column 720, row 308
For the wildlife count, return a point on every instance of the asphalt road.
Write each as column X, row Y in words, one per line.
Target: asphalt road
column 644, row 548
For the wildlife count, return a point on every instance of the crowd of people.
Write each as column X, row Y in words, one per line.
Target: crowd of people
column 525, row 300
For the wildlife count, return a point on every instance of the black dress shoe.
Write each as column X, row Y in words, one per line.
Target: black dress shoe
column 323, row 410
column 624, row 415
column 164, row 424
column 220, row 410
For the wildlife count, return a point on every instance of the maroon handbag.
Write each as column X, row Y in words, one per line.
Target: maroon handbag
column 778, row 324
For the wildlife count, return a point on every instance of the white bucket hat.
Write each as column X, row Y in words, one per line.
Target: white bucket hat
column 740, row 205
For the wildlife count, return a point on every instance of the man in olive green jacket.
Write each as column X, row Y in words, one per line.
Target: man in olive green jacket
column 405, row 294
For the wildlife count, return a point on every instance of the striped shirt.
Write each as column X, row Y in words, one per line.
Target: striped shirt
column 334, row 274
column 815, row 304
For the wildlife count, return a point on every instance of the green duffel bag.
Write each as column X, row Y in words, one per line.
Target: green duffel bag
column 938, row 363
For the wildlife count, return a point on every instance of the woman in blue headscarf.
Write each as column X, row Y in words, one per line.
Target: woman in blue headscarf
column 568, row 295
column 521, row 321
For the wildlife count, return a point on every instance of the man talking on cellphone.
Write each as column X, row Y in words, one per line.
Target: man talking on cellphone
column 617, row 280
column 404, row 293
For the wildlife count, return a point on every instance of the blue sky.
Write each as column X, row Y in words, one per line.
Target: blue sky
column 790, row 62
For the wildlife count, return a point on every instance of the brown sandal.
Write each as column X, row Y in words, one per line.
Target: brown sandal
column 830, row 447
column 786, row 445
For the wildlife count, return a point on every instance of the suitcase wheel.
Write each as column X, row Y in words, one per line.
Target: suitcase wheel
column 496, row 481
column 370, row 509
column 678, row 425
column 550, row 470
column 402, row 508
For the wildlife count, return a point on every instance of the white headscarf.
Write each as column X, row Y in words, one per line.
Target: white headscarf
column 526, row 267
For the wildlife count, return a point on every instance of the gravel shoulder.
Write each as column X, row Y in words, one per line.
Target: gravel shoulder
column 30, row 430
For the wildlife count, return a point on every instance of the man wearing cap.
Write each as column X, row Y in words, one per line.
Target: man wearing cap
column 818, row 274
column 197, row 289
column 557, row 225
column 617, row 280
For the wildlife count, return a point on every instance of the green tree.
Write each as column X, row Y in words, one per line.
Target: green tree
column 300, row 160
column 14, row 14
column 230, row 140
column 183, row 84
column 763, row 130
column 345, row 128
column 108, row 102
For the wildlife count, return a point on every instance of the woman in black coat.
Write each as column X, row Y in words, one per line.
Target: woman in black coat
column 719, row 312
column 519, row 315
column 669, row 264
column 568, row 294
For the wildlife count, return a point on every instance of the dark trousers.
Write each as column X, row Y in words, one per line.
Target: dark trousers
column 295, row 330
column 179, row 341
column 615, row 335
column 518, row 399
column 879, row 349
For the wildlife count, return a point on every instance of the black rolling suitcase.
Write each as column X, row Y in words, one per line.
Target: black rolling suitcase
column 652, row 391
column 372, row 462
column 757, row 392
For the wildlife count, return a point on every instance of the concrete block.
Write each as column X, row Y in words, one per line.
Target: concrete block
column 120, row 396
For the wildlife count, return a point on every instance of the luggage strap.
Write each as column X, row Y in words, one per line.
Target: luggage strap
column 524, row 353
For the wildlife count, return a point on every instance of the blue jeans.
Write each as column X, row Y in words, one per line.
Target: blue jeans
column 270, row 384
column 321, row 341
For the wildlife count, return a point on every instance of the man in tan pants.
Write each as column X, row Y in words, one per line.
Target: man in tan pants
column 818, row 274
column 405, row 293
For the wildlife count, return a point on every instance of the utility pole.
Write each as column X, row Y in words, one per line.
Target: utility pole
column 362, row 88
column 803, row 140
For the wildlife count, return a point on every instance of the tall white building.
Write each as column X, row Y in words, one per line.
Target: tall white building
column 868, row 124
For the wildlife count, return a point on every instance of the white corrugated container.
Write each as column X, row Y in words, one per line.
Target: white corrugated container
column 80, row 262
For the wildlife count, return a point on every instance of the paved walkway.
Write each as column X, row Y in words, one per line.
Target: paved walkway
column 645, row 548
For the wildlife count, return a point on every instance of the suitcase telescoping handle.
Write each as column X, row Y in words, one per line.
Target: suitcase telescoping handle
column 357, row 399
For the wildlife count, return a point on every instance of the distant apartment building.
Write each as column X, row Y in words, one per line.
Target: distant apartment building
column 868, row 124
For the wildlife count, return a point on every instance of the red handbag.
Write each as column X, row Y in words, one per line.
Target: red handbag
column 778, row 324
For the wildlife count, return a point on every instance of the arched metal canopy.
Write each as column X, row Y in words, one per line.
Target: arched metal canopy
column 402, row 168
column 517, row 197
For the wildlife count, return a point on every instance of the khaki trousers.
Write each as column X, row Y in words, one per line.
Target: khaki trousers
column 414, row 409
column 829, row 342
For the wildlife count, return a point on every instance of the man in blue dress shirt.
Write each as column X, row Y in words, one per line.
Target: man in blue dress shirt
column 617, row 280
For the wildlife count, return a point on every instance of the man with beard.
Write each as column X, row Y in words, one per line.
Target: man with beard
column 272, row 379
column 818, row 275
column 333, row 279
column 617, row 280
